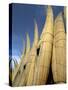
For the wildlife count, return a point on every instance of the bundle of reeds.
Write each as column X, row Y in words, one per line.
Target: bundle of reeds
column 45, row 43
column 24, row 62
column 18, row 73
column 59, row 51
column 33, row 57
column 28, row 75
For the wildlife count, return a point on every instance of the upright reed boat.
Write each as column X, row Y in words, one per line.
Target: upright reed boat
column 59, row 51
column 45, row 43
column 28, row 75
column 18, row 73
column 33, row 57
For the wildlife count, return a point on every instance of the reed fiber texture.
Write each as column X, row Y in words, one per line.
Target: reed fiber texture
column 45, row 43
column 29, row 70
column 33, row 55
column 59, row 51
column 18, row 73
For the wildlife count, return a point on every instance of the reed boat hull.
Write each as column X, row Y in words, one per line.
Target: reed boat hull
column 59, row 51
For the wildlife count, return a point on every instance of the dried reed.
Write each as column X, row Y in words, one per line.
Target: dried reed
column 45, row 43
column 59, row 51
column 18, row 73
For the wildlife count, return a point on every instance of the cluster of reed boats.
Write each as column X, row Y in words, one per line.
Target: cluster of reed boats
column 47, row 53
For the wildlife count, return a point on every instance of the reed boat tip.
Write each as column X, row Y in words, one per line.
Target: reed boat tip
column 35, row 33
column 59, row 17
column 27, row 43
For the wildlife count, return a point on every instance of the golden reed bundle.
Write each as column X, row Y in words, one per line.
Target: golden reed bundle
column 45, row 43
column 33, row 55
column 18, row 73
column 28, row 75
column 59, row 51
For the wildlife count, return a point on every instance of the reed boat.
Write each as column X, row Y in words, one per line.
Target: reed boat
column 33, row 55
column 28, row 75
column 59, row 51
column 18, row 73
column 45, row 44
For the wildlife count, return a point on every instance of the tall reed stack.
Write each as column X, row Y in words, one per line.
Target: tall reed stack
column 24, row 64
column 18, row 73
column 59, row 51
column 45, row 43
column 29, row 70
column 33, row 57
column 46, row 54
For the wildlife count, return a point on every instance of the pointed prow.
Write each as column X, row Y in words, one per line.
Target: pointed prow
column 27, row 43
column 35, row 34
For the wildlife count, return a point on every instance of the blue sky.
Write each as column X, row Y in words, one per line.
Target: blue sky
column 23, row 16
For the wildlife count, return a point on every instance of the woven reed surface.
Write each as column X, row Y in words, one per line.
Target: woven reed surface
column 33, row 55
column 43, row 62
column 59, row 51
column 28, row 74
